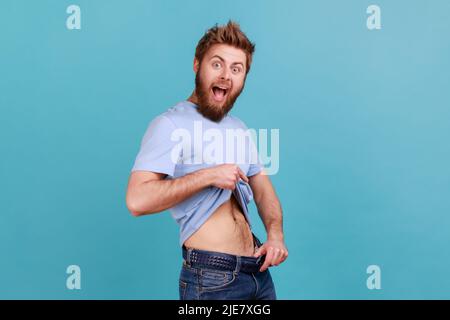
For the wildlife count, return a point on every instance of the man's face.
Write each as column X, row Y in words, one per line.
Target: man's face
column 219, row 80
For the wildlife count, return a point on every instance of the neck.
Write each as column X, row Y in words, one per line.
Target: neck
column 193, row 98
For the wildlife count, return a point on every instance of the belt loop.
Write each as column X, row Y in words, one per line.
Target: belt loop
column 238, row 264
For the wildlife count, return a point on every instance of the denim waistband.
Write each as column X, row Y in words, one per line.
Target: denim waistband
column 197, row 258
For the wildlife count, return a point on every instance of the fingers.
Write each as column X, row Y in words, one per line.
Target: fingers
column 274, row 256
column 284, row 255
column 268, row 260
column 231, row 174
column 278, row 256
column 281, row 255
column 261, row 250
column 242, row 175
column 237, row 176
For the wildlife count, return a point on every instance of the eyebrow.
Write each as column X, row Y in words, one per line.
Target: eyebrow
column 223, row 60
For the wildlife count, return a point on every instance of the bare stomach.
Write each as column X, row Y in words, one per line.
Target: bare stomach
column 226, row 230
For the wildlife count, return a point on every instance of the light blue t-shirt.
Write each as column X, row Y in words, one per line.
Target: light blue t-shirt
column 180, row 141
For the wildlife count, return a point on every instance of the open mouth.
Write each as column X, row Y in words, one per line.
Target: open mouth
column 219, row 93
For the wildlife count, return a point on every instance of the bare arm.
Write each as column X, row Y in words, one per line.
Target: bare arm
column 148, row 192
column 269, row 209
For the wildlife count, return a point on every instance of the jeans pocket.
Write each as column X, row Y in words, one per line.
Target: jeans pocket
column 215, row 279
column 182, row 289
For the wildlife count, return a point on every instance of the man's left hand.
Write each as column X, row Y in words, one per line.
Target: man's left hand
column 275, row 251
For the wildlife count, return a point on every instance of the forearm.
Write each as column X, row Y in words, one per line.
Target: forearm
column 158, row 195
column 269, row 209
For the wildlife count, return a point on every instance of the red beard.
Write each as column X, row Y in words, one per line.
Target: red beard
column 209, row 110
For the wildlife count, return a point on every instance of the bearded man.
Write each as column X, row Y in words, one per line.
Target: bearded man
column 222, row 258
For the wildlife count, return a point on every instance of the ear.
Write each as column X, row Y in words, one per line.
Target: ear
column 196, row 65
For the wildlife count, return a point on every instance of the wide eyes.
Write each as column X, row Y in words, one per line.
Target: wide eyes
column 234, row 69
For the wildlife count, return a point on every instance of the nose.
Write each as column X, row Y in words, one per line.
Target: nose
column 225, row 75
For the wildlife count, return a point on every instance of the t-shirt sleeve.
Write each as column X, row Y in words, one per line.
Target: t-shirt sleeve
column 155, row 153
column 256, row 165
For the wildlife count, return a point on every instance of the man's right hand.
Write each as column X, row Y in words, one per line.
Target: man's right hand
column 225, row 176
column 148, row 192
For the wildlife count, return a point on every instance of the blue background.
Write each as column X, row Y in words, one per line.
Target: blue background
column 364, row 154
